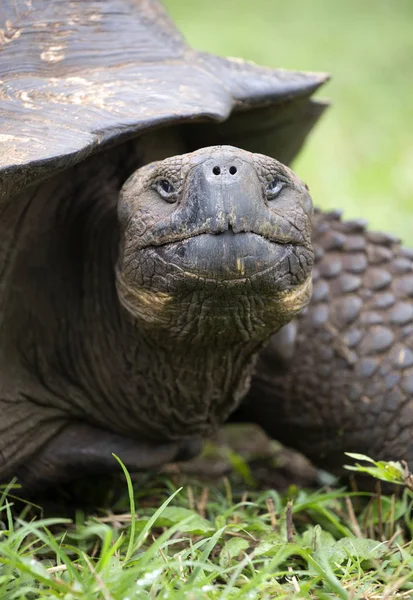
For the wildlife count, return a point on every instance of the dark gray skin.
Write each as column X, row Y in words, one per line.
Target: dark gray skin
column 215, row 257
column 212, row 255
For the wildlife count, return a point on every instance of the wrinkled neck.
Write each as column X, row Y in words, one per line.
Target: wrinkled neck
column 198, row 353
column 198, row 383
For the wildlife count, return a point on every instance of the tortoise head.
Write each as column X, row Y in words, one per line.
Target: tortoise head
column 219, row 229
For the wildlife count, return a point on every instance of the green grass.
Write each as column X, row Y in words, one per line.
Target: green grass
column 360, row 156
column 219, row 542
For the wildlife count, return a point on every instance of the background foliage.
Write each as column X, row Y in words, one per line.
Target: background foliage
column 360, row 158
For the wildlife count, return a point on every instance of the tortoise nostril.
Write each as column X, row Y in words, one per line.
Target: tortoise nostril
column 217, row 170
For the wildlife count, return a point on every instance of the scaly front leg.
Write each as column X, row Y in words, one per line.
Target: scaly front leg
column 340, row 378
column 81, row 449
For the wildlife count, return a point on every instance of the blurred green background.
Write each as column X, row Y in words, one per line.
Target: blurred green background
column 360, row 156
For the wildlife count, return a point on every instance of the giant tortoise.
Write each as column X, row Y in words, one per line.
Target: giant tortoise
column 162, row 270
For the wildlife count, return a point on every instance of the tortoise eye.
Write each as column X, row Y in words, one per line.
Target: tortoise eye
column 166, row 190
column 274, row 187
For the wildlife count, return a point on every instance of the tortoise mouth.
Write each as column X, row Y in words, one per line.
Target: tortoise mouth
column 225, row 256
